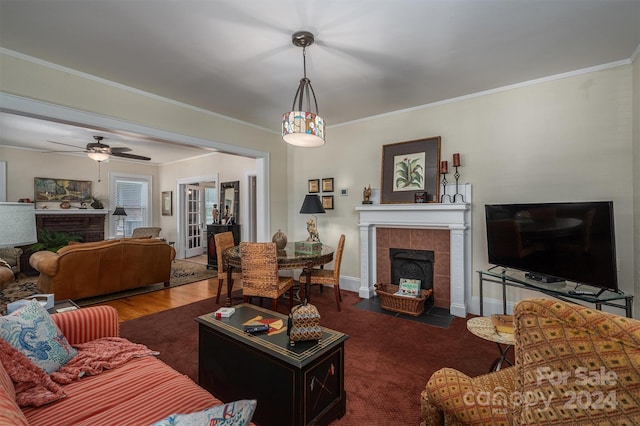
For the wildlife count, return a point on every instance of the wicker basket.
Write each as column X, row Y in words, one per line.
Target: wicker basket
column 405, row 305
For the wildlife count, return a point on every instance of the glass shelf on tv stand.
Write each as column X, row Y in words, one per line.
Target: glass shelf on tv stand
column 560, row 290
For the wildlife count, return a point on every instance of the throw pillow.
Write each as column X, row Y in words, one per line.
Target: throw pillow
column 32, row 386
column 32, row 331
column 237, row 413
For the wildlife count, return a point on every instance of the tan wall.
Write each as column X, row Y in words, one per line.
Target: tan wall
column 562, row 140
column 52, row 85
column 567, row 139
column 228, row 168
column 636, row 181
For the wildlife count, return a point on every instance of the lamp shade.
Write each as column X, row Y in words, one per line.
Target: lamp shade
column 311, row 205
column 17, row 224
column 98, row 156
column 302, row 128
column 119, row 212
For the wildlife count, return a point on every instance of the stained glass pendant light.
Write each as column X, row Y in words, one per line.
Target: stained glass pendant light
column 303, row 127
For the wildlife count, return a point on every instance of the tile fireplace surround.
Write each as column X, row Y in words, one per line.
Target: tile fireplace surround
column 444, row 228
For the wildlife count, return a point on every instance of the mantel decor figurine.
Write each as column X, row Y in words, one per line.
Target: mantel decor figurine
column 366, row 195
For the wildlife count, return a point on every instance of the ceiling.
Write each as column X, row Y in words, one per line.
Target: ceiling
column 371, row 57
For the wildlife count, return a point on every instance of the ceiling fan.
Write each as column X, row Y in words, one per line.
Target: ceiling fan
column 99, row 151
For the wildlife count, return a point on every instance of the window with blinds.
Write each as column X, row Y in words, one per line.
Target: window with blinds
column 133, row 194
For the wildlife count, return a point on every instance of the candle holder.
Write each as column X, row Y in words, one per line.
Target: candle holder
column 456, row 175
column 444, row 189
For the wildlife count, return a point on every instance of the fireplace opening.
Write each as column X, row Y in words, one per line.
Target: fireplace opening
column 412, row 264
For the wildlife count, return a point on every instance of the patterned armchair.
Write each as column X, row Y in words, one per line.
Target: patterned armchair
column 12, row 257
column 574, row 365
column 146, row 232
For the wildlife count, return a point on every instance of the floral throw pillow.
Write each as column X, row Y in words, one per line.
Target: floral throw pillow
column 32, row 331
column 237, row 413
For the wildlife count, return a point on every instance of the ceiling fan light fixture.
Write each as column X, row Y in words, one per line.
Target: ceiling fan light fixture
column 302, row 127
column 98, row 156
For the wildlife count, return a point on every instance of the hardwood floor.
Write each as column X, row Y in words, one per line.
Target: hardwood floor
column 157, row 301
column 161, row 300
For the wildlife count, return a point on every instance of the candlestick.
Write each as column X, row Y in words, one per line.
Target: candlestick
column 444, row 184
column 444, row 167
column 456, row 160
column 457, row 176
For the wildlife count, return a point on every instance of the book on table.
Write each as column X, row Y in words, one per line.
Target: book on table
column 502, row 323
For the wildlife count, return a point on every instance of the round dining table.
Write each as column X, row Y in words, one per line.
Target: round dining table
column 288, row 258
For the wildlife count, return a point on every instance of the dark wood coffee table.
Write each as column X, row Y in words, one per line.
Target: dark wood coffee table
column 298, row 385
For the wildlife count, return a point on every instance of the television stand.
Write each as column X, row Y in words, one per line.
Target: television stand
column 518, row 279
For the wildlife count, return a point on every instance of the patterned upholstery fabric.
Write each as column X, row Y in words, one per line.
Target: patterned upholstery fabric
column 574, row 365
column 11, row 255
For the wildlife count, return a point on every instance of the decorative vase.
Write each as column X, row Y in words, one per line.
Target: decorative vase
column 280, row 238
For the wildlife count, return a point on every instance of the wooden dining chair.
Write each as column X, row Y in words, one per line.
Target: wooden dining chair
column 223, row 241
column 328, row 277
column 260, row 277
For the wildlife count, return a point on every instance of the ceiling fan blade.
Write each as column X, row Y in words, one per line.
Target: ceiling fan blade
column 131, row 156
column 120, row 149
column 52, row 152
column 66, row 144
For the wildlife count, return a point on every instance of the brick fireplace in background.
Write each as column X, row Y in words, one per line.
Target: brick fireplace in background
column 444, row 228
column 436, row 240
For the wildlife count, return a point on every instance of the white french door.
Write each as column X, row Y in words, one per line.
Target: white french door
column 194, row 222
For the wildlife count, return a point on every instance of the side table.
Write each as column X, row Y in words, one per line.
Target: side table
column 483, row 328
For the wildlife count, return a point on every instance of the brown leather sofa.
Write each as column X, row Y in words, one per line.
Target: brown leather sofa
column 83, row 270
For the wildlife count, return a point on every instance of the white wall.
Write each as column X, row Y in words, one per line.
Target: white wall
column 562, row 140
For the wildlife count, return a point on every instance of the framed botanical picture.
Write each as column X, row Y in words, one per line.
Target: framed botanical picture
column 314, row 186
column 327, row 202
column 410, row 167
column 327, row 185
column 167, row 203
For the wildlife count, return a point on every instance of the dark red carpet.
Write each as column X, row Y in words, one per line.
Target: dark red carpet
column 388, row 360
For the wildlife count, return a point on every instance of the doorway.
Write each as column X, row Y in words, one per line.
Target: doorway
column 194, row 222
column 196, row 198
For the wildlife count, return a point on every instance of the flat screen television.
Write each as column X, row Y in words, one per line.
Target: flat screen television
column 573, row 241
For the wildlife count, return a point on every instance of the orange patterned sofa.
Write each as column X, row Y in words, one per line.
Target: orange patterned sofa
column 140, row 392
column 574, row 365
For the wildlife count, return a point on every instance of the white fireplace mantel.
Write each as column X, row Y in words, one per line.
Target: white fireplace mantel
column 456, row 217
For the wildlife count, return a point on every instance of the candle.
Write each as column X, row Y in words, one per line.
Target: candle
column 444, row 167
column 456, row 160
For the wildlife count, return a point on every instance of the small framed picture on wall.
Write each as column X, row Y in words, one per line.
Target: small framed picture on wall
column 327, row 185
column 314, row 186
column 167, row 203
column 327, row 202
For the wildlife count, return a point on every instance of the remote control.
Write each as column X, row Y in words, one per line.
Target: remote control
column 582, row 292
column 256, row 329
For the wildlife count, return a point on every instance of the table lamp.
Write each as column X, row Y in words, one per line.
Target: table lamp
column 18, row 224
column 121, row 214
column 312, row 205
